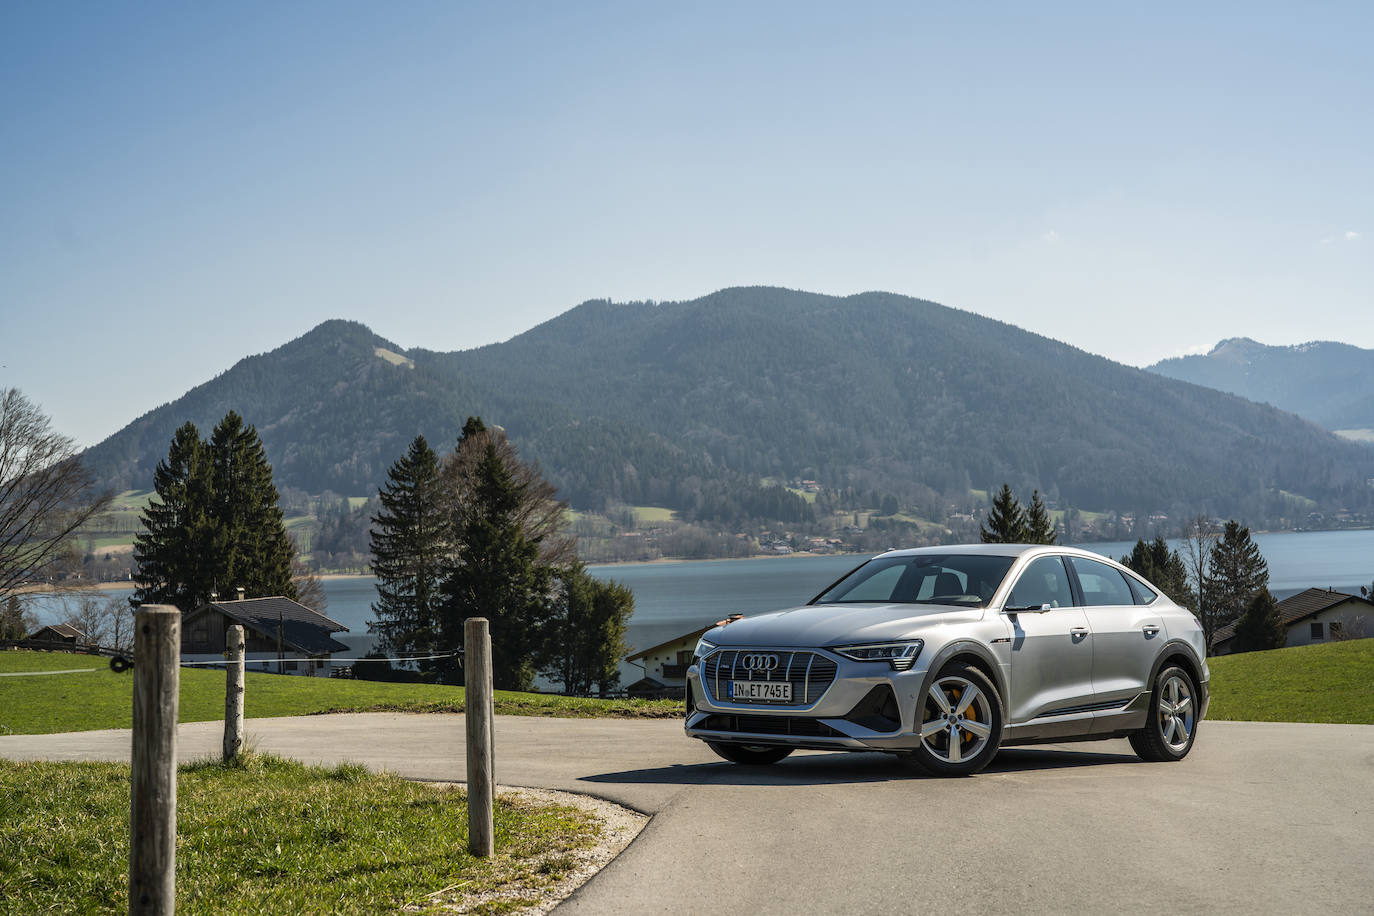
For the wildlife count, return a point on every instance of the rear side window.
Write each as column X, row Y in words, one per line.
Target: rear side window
column 1143, row 593
column 1101, row 584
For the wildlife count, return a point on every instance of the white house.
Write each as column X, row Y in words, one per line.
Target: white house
column 665, row 665
column 1313, row 616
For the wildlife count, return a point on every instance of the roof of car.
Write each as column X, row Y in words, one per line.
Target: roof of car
column 993, row 550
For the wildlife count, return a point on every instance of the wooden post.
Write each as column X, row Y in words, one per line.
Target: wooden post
column 233, row 693
column 478, row 706
column 153, row 799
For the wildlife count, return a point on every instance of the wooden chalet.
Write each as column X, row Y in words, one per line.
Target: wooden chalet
column 280, row 635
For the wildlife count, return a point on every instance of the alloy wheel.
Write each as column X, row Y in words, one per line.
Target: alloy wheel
column 1176, row 712
column 956, row 719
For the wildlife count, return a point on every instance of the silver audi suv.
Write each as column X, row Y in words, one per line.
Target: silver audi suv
column 942, row 655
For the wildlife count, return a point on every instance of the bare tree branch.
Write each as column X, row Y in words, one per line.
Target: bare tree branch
column 46, row 495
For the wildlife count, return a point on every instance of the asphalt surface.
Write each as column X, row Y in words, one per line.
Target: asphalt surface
column 1260, row 818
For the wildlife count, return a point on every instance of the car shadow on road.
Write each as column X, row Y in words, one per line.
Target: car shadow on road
column 847, row 768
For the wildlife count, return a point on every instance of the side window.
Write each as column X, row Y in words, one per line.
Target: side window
column 877, row 587
column 1100, row 583
column 1044, row 582
column 1143, row 593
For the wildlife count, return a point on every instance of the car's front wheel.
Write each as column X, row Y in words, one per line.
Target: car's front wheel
column 749, row 754
column 1172, row 725
column 960, row 723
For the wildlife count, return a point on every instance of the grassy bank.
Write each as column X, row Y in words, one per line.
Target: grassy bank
column 1326, row 683
column 272, row 835
column 99, row 698
column 1322, row 683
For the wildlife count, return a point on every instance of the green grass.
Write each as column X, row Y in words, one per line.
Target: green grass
column 652, row 515
column 49, row 704
column 1323, row 683
column 271, row 835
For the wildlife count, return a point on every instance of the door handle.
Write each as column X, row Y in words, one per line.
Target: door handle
column 1151, row 629
column 1079, row 631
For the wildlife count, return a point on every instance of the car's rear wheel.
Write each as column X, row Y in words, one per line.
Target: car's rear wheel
column 1172, row 726
column 749, row 754
column 959, row 721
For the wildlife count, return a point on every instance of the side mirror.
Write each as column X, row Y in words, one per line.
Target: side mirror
column 1028, row 609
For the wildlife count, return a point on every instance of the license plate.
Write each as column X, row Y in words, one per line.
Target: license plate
column 777, row 691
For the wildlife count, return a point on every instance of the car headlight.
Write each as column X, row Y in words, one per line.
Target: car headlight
column 703, row 646
column 900, row 655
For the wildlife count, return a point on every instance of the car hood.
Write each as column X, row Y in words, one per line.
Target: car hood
column 838, row 624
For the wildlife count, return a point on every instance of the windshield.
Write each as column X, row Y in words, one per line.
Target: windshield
column 958, row 579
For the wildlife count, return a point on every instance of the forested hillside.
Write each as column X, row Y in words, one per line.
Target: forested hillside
column 1331, row 384
column 692, row 405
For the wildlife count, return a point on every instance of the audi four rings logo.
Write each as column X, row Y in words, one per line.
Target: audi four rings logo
column 759, row 662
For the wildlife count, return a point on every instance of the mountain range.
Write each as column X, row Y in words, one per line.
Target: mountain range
column 658, row 403
column 1331, row 384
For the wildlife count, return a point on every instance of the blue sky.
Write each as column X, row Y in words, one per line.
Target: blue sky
column 187, row 184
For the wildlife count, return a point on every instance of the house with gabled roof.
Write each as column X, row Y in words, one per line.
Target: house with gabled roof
column 1316, row 615
column 63, row 633
column 280, row 635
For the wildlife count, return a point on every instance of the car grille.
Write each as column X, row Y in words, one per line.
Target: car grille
column 810, row 673
column 768, row 725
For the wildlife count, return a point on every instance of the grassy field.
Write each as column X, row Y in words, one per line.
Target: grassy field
column 1327, row 683
column 270, row 835
column 1324, row 683
column 99, row 698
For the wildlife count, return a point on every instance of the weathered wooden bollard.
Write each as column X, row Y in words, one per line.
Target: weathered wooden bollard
column 478, row 713
column 153, row 795
column 233, row 693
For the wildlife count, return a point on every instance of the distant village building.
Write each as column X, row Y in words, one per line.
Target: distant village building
column 1313, row 616
column 280, row 635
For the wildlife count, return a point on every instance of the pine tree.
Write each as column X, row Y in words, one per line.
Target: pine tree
column 1039, row 525
column 1237, row 573
column 1261, row 626
column 215, row 524
column 178, row 552
column 410, row 543
column 586, row 636
column 245, row 506
column 1164, row 568
column 1006, row 521
column 496, row 572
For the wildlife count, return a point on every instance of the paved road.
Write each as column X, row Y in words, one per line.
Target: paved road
column 1261, row 818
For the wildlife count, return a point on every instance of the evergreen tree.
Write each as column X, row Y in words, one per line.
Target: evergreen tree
column 586, row 636
column 497, row 572
column 215, row 524
column 178, row 552
column 15, row 621
column 1039, row 525
column 1006, row 521
column 410, row 554
column 1261, row 626
column 1163, row 567
column 245, row 506
column 1237, row 573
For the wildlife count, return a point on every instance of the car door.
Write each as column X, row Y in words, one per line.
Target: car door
column 1126, row 635
column 1051, row 651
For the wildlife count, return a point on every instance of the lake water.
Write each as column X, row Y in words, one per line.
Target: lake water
column 675, row 598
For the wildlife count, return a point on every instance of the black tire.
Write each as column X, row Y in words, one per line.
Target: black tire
column 1158, row 741
column 749, row 754
column 119, row 664
column 927, row 758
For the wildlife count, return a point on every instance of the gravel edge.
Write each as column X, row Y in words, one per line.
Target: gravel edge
column 619, row 825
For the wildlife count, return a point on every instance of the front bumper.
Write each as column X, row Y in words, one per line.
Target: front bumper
column 851, row 713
